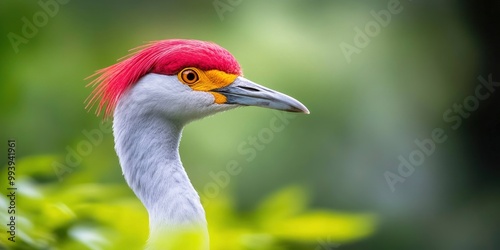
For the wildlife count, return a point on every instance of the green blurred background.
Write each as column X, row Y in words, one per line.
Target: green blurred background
column 366, row 111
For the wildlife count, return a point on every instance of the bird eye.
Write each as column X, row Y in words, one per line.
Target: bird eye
column 188, row 76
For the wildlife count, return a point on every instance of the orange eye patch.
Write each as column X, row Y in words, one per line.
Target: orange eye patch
column 207, row 81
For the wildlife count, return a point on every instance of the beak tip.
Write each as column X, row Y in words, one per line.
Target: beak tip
column 301, row 109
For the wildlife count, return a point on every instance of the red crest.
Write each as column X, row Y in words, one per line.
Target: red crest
column 166, row 57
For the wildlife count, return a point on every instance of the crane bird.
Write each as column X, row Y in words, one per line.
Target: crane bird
column 152, row 94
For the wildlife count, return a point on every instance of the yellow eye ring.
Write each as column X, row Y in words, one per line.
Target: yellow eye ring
column 188, row 76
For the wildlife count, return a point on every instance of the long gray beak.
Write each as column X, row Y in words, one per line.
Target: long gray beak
column 247, row 93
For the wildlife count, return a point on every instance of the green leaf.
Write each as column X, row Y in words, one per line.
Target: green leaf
column 282, row 204
column 338, row 227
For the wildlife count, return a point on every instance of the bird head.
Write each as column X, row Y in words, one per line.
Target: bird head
column 182, row 80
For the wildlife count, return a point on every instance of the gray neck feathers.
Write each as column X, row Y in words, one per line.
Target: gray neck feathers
column 147, row 146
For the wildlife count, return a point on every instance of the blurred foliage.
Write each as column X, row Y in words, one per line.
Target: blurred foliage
column 54, row 215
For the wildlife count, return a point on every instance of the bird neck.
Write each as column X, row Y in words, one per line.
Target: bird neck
column 148, row 149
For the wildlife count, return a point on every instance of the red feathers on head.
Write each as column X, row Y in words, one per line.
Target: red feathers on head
column 166, row 57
